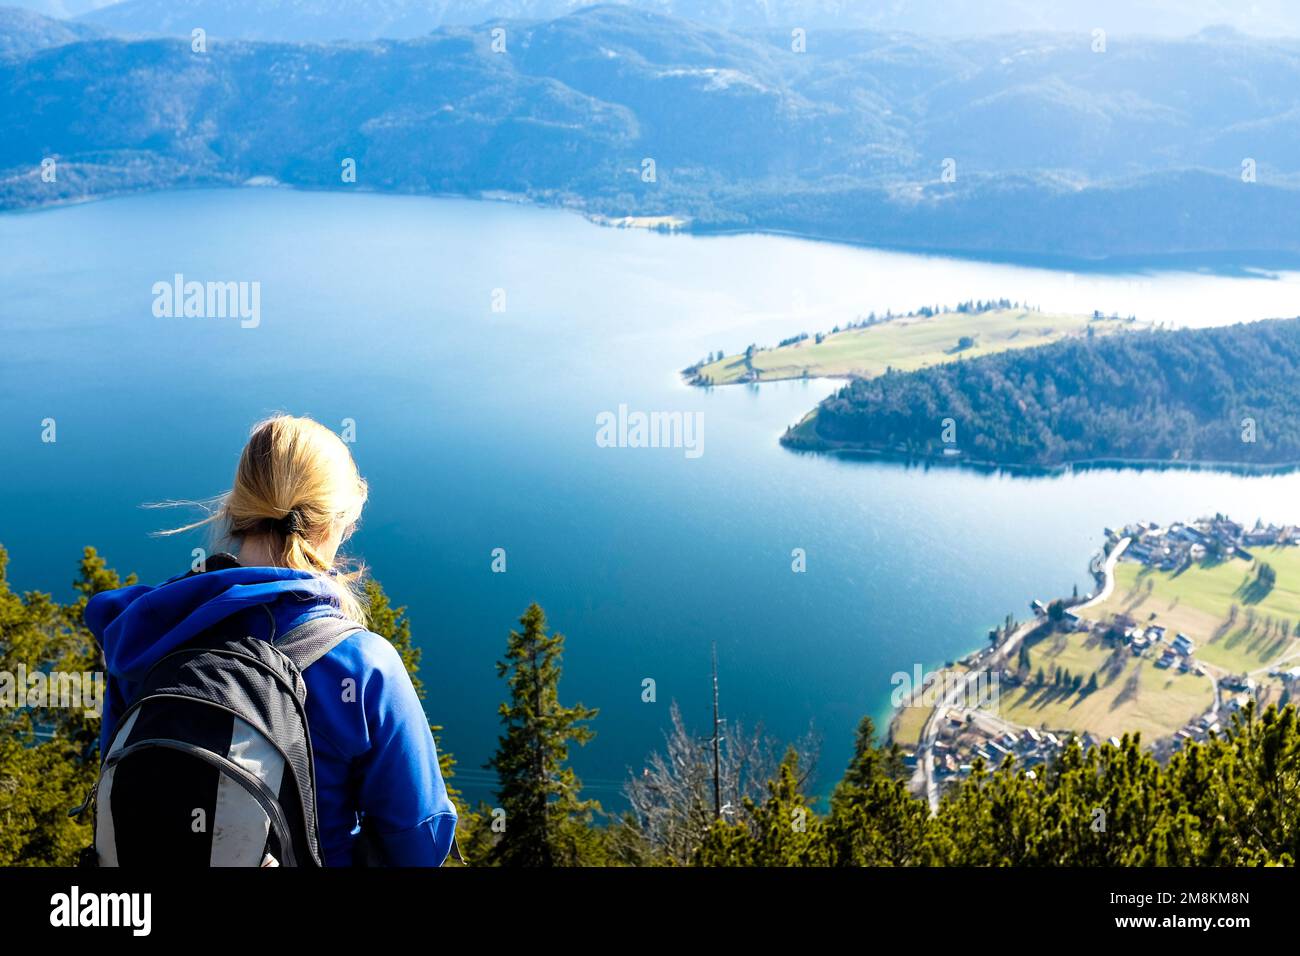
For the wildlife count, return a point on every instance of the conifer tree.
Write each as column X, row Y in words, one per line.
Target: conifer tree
column 392, row 624
column 546, row 823
column 782, row 831
column 873, row 820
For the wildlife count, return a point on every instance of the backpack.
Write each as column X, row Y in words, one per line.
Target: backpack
column 211, row 764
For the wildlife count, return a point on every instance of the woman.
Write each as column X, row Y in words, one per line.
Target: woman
column 296, row 497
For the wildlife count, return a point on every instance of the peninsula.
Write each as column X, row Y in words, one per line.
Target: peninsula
column 872, row 345
column 1227, row 396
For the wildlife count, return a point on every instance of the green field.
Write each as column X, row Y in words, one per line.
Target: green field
column 1133, row 695
column 908, row 724
column 1199, row 603
column 905, row 343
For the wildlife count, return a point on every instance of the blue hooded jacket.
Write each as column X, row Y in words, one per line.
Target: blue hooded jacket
column 375, row 755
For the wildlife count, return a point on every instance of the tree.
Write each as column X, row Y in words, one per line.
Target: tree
column 49, row 756
column 782, row 831
column 873, row 820
column 546, row 824
column 672, row 796
column 393, row 625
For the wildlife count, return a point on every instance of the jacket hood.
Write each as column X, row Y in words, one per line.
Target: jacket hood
column 137, row 625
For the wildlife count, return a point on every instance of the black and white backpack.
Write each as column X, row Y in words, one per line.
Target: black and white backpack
column 211, row 764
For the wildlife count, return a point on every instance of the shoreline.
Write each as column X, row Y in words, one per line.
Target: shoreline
column 1242, row 263
column 979, row 657
column 843, row 450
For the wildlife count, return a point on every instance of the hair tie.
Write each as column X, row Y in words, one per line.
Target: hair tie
column 291, row 523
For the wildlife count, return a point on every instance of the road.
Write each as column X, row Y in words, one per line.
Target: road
column 1108, row 570
column 930, row 733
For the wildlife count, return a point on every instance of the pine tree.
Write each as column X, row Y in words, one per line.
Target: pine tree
column 873, row 820
column 781, row 831
column 546, row 824
column 393, row 625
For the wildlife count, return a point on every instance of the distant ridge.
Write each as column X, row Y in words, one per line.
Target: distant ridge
column 398, row 19
column 1028, row 145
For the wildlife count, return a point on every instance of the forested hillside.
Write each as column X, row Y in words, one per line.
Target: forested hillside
column 1016, row 144
column 1224, row 395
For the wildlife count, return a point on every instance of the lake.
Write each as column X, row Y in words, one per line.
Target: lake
column 473, row 345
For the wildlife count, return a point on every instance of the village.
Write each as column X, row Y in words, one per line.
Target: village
column 1180, row 545
column 964, row 733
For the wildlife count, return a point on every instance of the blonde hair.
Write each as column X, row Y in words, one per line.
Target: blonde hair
column 296, row 479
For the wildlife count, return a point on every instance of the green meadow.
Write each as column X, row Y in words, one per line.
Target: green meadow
column 1132, row 693
column 907, row 343
column 1237, row 624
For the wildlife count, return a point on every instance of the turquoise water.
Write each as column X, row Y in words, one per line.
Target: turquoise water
column 476, row 429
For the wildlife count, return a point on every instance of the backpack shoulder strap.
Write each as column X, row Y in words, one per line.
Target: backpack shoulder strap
column 308, row 643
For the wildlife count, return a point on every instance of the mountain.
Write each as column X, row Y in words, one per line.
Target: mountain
column 292, row 20
column 62, row 9
column 403, row 19
column 1055, row 150
column 22, row 32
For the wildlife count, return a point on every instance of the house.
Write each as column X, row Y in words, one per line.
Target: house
column 1183, row 645
column 1138, row 552
column 1038, row 607
column 1155, row 632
